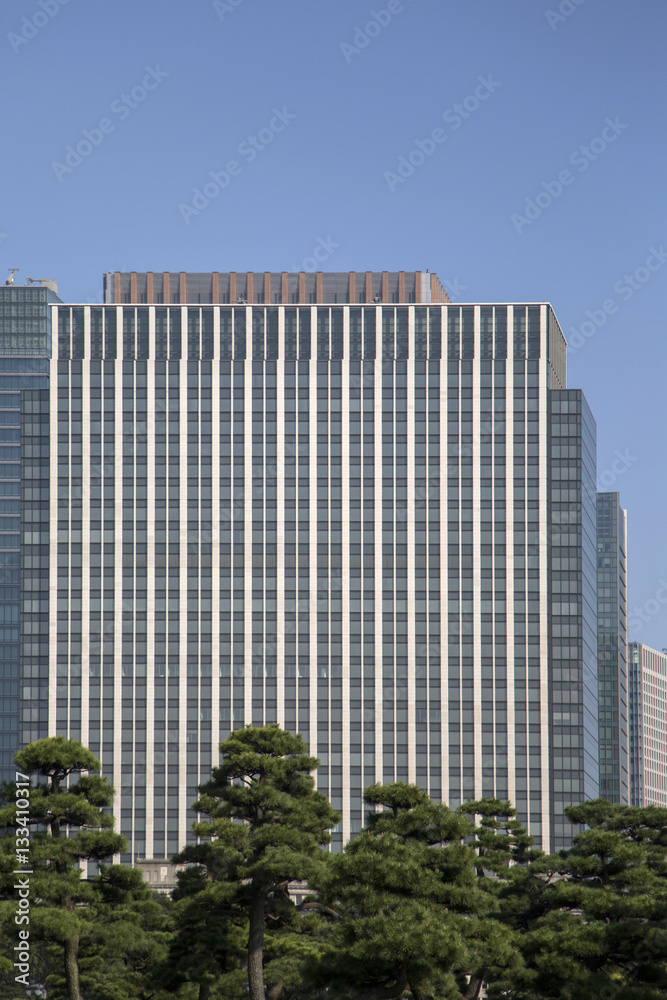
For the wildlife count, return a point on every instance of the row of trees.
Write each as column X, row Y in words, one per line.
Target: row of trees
column 426, row 903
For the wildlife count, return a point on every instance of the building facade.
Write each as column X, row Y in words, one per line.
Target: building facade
column 612, row 648
column 336, row 502
column 648, row 725
column 25, row 350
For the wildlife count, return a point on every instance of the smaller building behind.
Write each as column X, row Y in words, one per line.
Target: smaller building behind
column 647, row 684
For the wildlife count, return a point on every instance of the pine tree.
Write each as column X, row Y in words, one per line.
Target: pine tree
column 265, row 782
column 72, row 826
column 593, row 919
column 411, row 912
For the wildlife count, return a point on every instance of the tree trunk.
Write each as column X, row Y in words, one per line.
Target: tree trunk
column 474, row 988
column 204, row 991
column 72, row 969
column 256, row 948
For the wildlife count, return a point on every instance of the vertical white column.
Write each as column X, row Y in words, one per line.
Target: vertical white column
column 341, row 585
column 543, row 473
column 444, row 582
column 278, row 470
column 53, row 526
column 476, row 542
column 118, row 573
column 215, row 543
column 85, row 533
column 312, row 530
column 509, row 579
column 377, row 446
column 183, row 590
column 247, row 508
column 405, row 515
column 150, row 585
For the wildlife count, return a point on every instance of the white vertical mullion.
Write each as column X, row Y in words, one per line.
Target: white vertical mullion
column 247, row 533
column 150, row 585
column 344, row 578
column 279, row 472
column 118, row 569
column 312, row 530
column 151, row 333
column 215, row 543
column 53, row 527
column 476, row 543
column 85, row 534
column 183, row 589
column 444, row 583
column 377, row 493
column 543, row 488
column 407, row 514
column 509, row 577
column 86, row 333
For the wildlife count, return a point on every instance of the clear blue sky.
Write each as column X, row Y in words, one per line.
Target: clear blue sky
column 552, row 81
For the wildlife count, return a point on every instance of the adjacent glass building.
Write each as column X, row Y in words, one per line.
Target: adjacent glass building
column 25, row 349
column 337, row 502
column 612, row 648
column 648, row 725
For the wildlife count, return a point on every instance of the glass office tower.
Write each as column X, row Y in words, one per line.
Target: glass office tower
column 336, row 502
column 25, row 348
column 612, row 648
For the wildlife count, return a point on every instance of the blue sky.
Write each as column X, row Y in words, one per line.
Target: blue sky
column 561, row 104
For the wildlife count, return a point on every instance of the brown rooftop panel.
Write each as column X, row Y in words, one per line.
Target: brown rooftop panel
column 401, row 287
column 302, row 287
column 150, row 293
column 385, row 286
column 352, row 287
column 215, row 286
column 438, row 293
column 182, row 286
column 368, row 295
column 116, row 287
column 267, row 287
column 232, row 286
column 418, row 286
column 166, row 295
column 319, row 287
column 284, row 289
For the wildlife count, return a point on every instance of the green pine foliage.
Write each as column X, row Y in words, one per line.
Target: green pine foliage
column 266, row 829
column 427, row 903
column 593, row 919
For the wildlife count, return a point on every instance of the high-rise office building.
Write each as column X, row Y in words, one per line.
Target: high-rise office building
column 647, row 669
column 333, row 501
column 612, row 648
column 25, row 349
